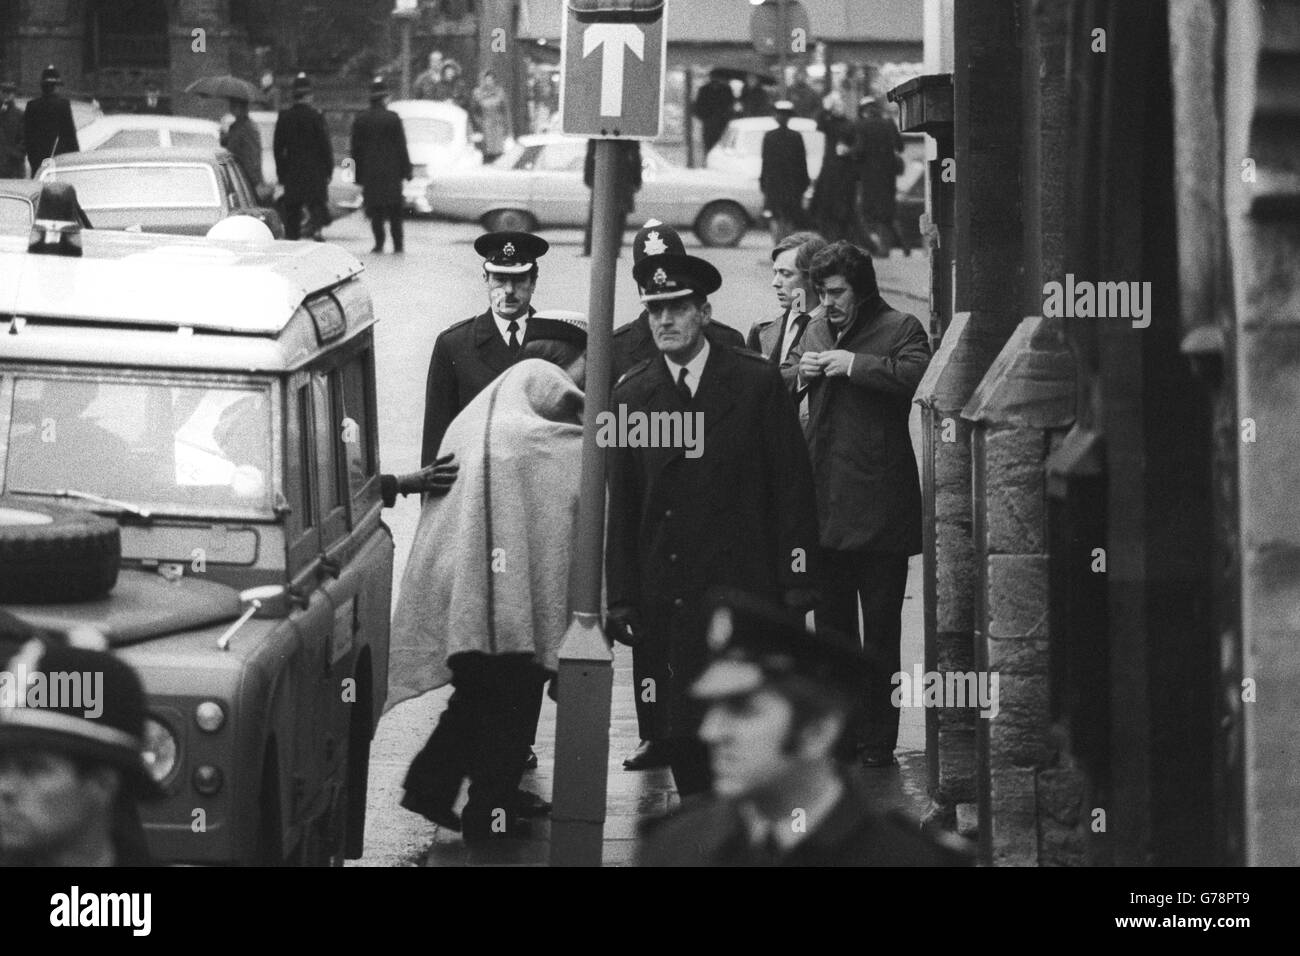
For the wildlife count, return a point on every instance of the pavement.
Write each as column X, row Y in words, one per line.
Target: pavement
column 438, row 282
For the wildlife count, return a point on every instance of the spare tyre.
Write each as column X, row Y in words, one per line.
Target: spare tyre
column 50, row 554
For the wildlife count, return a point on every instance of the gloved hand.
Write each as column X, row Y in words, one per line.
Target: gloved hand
column 623, row 624
column 434, row 480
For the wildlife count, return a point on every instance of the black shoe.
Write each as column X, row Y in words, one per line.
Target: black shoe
column 380, row 248
column 443, row 816
column 529, row 805
column 398, row 250
column 530, row 761
column 878, row 757
column 647, row 756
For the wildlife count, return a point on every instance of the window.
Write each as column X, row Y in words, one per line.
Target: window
column 563, row 157
column 356, row 424
column 142, row 187
column 15, row 212
column 132, row 139
column 197, row 140
column 307, row 502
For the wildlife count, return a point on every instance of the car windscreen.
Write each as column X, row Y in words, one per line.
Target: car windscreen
column 424, row 129
column 184, row 139
column 176, row 448
column 15, row 211
column 155, row 185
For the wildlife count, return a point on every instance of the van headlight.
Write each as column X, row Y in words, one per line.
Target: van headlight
column 160, row 749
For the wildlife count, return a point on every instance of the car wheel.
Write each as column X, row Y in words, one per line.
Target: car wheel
column 721, row 224
column 509, row 220
column 50, row 554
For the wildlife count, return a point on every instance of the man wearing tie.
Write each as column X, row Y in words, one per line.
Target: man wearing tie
column 739, row 514
column 774, row 338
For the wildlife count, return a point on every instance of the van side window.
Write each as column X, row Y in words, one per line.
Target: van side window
column 305, row 457
column 357, row 421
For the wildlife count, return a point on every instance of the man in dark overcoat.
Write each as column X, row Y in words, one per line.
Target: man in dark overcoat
column 779, row 703
column 877, row 152
column 633, row 343
column 382, row 164
column 715, row 105
column 784, row 173
column 860, row 363
column 48, row 126
column 13, row 151
column 304, row 162
column 733, row 509
column 244, row 141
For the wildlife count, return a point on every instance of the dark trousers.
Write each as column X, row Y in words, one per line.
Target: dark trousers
column 318, row 212
column 649, row 662
column 482, row 735
column 878, row 581
column 392, row 213
column 689, row 760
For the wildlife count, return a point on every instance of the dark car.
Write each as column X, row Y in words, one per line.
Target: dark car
column 18, row 198
column 178, row 191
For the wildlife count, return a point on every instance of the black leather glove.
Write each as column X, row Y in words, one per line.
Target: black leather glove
column 623, row 624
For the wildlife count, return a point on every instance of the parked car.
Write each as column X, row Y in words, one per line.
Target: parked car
column 178, row 191
column 440, row 141
column 538, row 184
column 144, row 130
column 210, row 502
column 740, row 150
column 344, row 193
column 18, row 199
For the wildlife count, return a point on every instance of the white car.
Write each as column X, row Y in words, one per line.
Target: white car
column 147, row 130
column 439, row 140
column 740, row 150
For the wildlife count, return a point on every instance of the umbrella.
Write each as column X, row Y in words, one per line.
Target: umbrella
column 225, row 87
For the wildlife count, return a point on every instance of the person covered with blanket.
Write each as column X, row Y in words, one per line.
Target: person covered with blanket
column 483, row 603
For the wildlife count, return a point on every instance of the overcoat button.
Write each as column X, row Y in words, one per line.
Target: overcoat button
column 678, row 602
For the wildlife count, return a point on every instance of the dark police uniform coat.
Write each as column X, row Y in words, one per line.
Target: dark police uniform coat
column 868, row 489
column 13, row 150
column 712, row 833
column 49, row 129
column 304, row 158
column 634, row 342
column 732, row 517
column 466, row 358
column 379, row 150
column 784, row 173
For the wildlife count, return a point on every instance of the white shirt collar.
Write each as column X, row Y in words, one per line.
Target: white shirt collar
column 503, row 326
column 694, row 368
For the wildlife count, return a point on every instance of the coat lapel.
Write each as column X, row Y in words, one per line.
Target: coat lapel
column 716, row 395
column 492, row 349
column 775, row 336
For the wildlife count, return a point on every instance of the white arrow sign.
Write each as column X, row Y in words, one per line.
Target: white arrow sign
column 613, row 37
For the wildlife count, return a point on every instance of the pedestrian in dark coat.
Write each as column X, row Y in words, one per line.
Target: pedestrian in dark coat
column 784, row 174
column 861, row 363
column 633, row 342
column 304, row 162
column 715, row 105
column 13, row 150
column 735, row 509
column 244, row 141
column 626, row 185
column 877, row 152
column 382, row 164
column 48, row 126
column 755, row 99
column 831, row 209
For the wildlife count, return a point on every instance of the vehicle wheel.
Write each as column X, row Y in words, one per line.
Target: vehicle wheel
column 721, row 224
column 50, row 554
column 509, row 220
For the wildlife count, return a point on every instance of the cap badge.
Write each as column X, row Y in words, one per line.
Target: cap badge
column 654, row 245
column 508, row 250
column 660, row 278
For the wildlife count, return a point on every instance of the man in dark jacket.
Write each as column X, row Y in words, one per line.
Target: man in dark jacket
column 633, row 343
column 48, row 126
column 860, row 363
column 626, row 185
column 733, row 508
column 304, row 162
column 71, row 769
column 877, row 151
column 382, row 163
column 244, row 141
column 715, row 105
column 784, row 173
column 779, row 701
column 13, row 152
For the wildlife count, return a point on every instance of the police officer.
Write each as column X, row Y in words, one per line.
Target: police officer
column 633, row 342
column 779, row 701
column 382, row 163
column 70, row 778
column 304, row 162
column 737, row 512
column 47, row 125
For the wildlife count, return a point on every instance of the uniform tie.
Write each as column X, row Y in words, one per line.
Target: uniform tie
column 682, row 388
column 513, row 329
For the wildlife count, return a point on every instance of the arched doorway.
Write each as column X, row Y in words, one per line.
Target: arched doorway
column 128, row 55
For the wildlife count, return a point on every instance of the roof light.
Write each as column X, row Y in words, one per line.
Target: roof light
column 56, row 230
